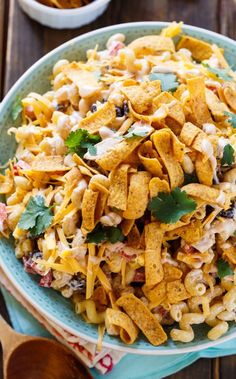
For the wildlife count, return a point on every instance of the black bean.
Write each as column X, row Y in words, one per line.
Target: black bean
column 228, row 214
column 36, row 255
column 77, row 283
column 119, row 111
column 61, row 107
column 93, row 108
column 126, row 108
column 122, row 111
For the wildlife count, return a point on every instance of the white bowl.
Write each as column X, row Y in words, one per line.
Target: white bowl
column 63, row 18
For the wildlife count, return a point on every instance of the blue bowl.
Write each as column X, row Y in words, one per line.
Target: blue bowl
column 47, row 301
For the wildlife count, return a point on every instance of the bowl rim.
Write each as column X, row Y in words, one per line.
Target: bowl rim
column 93, row 6
column 10, row 94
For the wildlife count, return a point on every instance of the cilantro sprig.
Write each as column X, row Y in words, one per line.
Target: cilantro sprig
column 223, row 268
column 170, row 207
column 37, row 217
column 231, row 118
column 228, row 155
column 169, row 81
column 221, row 73
column 105, row 233
column 190, row 178
column 82, row 141
column 132, row 132
column 17, row 109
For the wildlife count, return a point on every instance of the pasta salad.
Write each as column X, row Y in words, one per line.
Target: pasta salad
column 121, row 194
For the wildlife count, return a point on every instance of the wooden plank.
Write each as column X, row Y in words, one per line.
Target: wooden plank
column 199, row 369
column 3, row 38
column 24, row 44
column 227, row 14
column 227, row 26
column 227, row 367
column 216, row 368
column 3, row 313
column 200, row 13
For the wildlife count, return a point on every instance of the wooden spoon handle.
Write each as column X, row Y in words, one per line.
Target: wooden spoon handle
column 5, row 331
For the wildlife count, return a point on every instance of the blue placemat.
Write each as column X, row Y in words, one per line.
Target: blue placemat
column 131, row 366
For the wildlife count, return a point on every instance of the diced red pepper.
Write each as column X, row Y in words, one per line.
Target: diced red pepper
column 46, row 280
column 30, row 266
column 139, row 277
column 3, row 216
column 127, row 257
column 29, row 112
column 115, row 47
column 189, row 249
column 20, row 164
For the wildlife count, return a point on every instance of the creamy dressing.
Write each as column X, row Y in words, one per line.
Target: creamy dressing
column 57, row 79
column 68, row 160
column 185, row 95
column 172, row 104
column 111, row 139
column 78, row 192
column 213, row 83
column 209, row 128
column 161, row 112
column 221, row 198
column 207, row 149
column 138, row 127
column 213, row 61
column 58, row 66
column 65, row 92
column 118, row 37
column 205, row 243
column 145, row 68
column 162, row 69
column 106, row 132
column 225, row 228
column 168, row 259
column 165, row 56
column 186, row 52
column 102, row 148
column 62, row 120
column 103, row 55
column 87, row 90
column 191, row 71
column 111, row 219
column 54, row 103
column 75, row 117
column 222, row 142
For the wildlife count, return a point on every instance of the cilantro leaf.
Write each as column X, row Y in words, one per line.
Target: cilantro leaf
column 231, row 118
column 114, row 234
column 221, row 73
column 37, row 216
column 190, row 178
column 82, row 141
column 105, row 233
column 98, row 235
column 17, row 109
column 228, row 155
column 136, row 133
column 168, row 81
column 235, row 233
column 170, row 207
column 223, row 268
column 92, row 149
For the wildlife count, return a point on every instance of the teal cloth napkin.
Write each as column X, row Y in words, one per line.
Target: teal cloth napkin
column 131, row 366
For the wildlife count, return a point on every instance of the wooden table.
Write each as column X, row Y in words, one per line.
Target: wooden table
column 23, row 41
